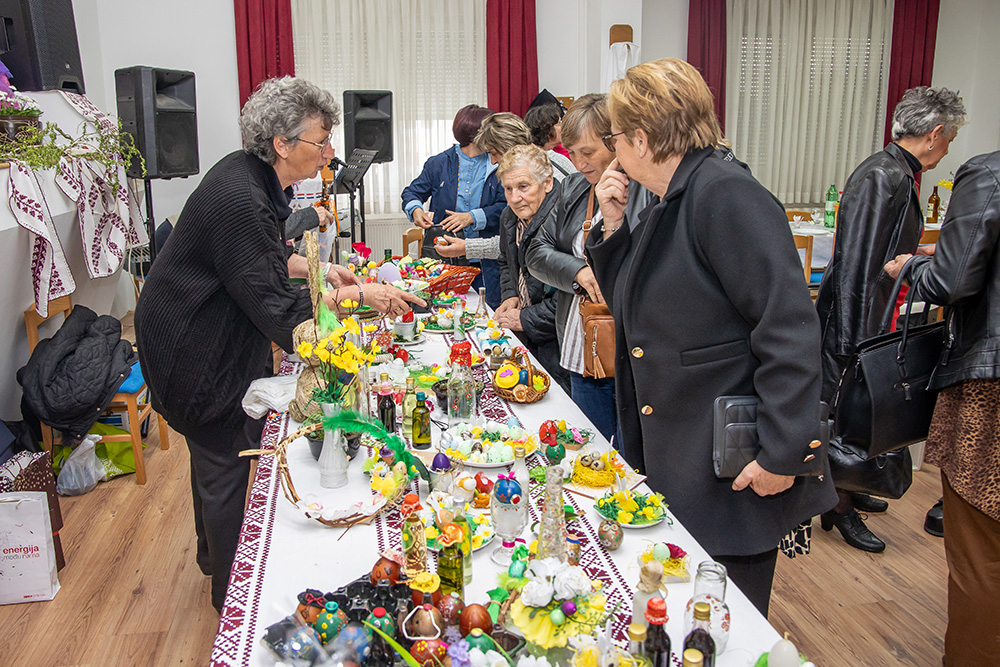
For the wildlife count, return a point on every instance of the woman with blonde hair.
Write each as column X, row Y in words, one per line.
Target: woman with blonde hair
column 708, row 299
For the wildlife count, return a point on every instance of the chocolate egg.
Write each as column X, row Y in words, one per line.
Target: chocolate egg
column 385, row 568
column 429, row 651
column 451, row 608
column 475, row 616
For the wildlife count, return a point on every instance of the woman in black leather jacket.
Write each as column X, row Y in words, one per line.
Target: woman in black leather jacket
column 880, row 217
column 964, row 274
column 555, row 255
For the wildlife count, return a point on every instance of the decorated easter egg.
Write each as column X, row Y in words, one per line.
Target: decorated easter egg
column 385, row 568
column 568, row 607
column 441, row 462
column 557, row 616
column 311, row 603
column 508, row 375
column 353, row 639
column 547, row 432
column 451, row 607
column 426, row 622
column 381, row 619
column 330, row 622
column 522, row 376
column 429, row 652
column 555, row 453
column 507, row 490
column 475, row 616
column 661, row 551
column 517, row 569
column 610, row 534
column 302, row 644
column 479, row 639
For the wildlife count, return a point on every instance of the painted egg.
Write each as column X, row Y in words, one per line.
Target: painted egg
column 568, row 607
column 555, row 453
column 429, row 652
column 661, row 551
column 483, row 483
column 479, row 639
column 610, row 534
column 547, row 432
column 302, row 644
column 353, row 639
column 381, row 619
column 522, row 376
column 451, row 608
column 475, row 616
column 330, row 622
column 385, row 568
column 441, row 462
column 426, row 623
column 557, row 616
column 517, row 569
column 505, row 490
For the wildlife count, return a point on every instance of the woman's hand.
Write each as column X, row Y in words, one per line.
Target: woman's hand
column 341, row 276
column 763, row 483
column 450, row 246
column 585, row 278
column 390, row 300
column 510, row 319
column 512, row 302
column 423, row 219
column 927, row 250
column 895, row 266
column 326, row 218
column 612, row 196
column 456, row 221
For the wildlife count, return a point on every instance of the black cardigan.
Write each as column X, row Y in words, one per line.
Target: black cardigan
column 216, row 297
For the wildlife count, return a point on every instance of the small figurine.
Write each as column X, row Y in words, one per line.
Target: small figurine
column 610, row 534
column 311, row 603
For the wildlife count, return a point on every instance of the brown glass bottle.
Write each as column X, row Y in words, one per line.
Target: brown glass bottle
column 387, row 407
column 693, row 658
column 699, row 637
column 657, row 639
column 933, row 206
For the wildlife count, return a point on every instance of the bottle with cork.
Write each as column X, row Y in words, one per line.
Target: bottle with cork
column 933, row 207
column 409, row 403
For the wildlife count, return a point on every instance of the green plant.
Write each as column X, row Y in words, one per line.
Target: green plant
column 42, row 147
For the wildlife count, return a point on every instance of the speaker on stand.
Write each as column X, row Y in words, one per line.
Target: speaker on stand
column 39, row 45
column 367, row 131
column 158, row 108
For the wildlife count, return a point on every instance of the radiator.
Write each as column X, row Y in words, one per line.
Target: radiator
column 385, row 231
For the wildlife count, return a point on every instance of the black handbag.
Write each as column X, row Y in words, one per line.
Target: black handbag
column 888, row 475
column 883, row 402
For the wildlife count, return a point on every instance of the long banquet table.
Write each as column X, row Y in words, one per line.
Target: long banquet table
column 282, row 552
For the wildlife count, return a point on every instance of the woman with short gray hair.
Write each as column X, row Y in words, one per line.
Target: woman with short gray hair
column 880, row 217
column 219, row 294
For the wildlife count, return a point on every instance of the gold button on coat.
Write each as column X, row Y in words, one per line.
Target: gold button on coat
column 637, row 352
column 647, row 409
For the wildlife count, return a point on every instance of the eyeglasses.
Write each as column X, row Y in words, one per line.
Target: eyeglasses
column 321, row 146
column 609, row 140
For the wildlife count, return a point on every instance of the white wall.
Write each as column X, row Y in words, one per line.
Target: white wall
column 664, row 29
column 183, row 34
column 965, row 60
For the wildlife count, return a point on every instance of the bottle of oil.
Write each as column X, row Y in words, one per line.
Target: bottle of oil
column 451, row 568
column 409, row 402
column 421, row 423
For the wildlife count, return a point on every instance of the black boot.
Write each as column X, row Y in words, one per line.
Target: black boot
column 865, row 503
column 934, row 522
column 854, row 530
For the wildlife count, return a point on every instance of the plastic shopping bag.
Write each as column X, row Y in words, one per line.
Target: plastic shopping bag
column 82, row 470
column 27, row 557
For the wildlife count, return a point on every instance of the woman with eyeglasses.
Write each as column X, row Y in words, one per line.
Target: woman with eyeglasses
column 219, row 293
column 706, row 290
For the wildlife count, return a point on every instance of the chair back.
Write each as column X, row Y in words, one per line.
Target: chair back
column 413, row 234
column 805, row 241
column 805, row 216
column 32, row 320
column 930, row 236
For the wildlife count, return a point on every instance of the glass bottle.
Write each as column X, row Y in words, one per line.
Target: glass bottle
column 552, row 531
column 421, row 423
column 830, row 214
column 462, row 519
column 461, row 386
column 388, row 256
column 409, row 402
column 650, row 584
column 451, row 568
column 693, row 658
column 456, row 321
column 933, row 206
column 657, row 639
column 700, row 638
column 710, row 587
column 387, row 407
column 520, row 468
column 637, row 644
column 481, row 312
column 414, row 545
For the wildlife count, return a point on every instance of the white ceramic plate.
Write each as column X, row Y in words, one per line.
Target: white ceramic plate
column 642, row 525
column 416, row 341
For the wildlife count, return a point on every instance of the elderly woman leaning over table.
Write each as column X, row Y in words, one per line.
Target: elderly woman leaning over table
column 219, row 293
column 695, row 321
column 529, row 306
column 556, row 257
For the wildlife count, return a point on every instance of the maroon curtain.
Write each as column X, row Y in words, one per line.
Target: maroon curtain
column 911, row 61
column 263, row 42
column 707, row 48
column 511, row 55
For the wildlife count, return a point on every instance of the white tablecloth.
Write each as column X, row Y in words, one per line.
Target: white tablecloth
column 282, row 553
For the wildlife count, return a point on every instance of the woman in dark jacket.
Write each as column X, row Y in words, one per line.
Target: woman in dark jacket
column 465, row 197
column 880, row 217
column 528, row 306
column 965, row 275
column 707, row 294
column 556, row 255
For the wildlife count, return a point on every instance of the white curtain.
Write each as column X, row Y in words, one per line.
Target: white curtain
column 806, row 85
column 431, row 54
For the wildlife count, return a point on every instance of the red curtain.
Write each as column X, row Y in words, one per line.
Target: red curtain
column 707, row 48
column 263, row 42
column 911, row 61
column 511, row 55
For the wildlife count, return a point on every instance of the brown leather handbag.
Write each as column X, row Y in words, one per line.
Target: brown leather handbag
column 598, row 324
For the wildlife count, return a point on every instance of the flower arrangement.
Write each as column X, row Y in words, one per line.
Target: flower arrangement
column 340, row 357
column 14, row 103
column 674, row 560
column 631, row 508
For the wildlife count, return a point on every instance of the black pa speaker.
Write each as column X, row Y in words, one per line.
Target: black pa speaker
column 157, row 107
column 368, row 122
column 39, row 45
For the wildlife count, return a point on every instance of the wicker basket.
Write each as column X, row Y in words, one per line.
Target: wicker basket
column 521, row 393
column 456, row 279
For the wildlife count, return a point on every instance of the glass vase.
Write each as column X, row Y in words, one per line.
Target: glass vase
column 710, row 586
column 333, row 456
column 552, row 532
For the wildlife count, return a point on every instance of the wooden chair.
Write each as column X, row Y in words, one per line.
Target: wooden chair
column 137, row 412
column 930, row 236
column 805, row 241
column 805, row 216
column 413, row 234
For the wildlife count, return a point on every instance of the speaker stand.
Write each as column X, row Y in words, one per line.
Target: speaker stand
column 150, row 220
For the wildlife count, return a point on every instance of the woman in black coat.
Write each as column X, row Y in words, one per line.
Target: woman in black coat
column 707, row 294
column 879, row 217
column 965, row 275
